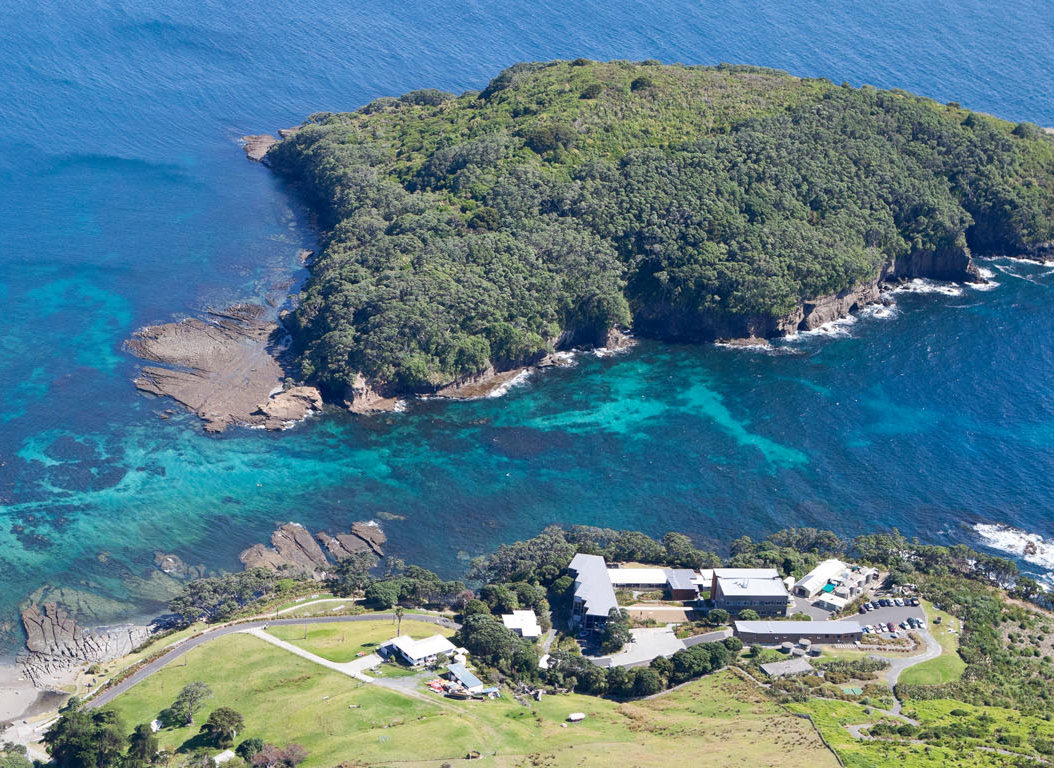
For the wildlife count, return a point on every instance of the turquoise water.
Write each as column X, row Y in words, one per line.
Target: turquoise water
column 127, row 201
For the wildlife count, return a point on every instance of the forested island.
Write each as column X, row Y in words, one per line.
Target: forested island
column 464, row 235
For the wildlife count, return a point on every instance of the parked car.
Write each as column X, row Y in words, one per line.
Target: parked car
column 914, row 601
column 891, row 627
column 904, row 625
column 898, row 602
column 884, row 603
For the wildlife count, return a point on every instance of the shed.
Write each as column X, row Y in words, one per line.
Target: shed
column 460, row 673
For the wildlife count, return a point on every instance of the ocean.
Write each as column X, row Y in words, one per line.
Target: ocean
column 127, row 201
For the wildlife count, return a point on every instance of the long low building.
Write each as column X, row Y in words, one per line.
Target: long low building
column 817, row 632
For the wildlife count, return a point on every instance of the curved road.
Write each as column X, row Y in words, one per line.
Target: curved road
column 109, row 694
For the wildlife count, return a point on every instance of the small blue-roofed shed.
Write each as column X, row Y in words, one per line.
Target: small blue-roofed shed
column 460, row 673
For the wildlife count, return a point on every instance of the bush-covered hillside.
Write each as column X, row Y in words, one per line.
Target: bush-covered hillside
column 572, row 197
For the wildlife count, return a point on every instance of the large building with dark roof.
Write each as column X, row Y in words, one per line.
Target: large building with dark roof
column 594, row 597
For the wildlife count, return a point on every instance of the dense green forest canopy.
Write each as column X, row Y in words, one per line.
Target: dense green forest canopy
column 568, row 198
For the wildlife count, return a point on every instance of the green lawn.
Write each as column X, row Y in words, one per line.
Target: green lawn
column 946, row 668
column 344, row 641
column 287, row 699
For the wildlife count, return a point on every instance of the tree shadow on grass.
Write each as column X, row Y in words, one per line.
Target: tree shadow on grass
column 197, row 742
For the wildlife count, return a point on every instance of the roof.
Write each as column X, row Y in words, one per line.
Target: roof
column 798, row 627
column 820, row 575
column 797, row 666
column 592, row 585
column 620, row 576
column 463, row 676
column 835, row 600
column 681, row 578
column 524, row 621
column 421, row 649
column 754, row 587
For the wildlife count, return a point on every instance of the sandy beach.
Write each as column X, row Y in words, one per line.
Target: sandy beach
column 19, row 700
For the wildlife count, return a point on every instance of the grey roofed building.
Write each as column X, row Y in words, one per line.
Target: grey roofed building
column 594, row 597
column 758, row 589
column 682, row 583
column 776, row 632
column 460, row 673
column 798, row 666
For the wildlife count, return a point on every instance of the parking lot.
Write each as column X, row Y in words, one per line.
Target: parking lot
column 893, row 613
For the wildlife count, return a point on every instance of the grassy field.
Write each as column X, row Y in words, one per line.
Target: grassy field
column 946, row 668
column 287, row 699
column 344, row 641
column 997, row 728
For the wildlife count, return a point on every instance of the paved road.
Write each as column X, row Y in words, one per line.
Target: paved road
column 355, row 668
column 109, row 694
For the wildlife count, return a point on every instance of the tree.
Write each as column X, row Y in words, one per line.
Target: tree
column 399, row 618
column 382, row 594
column 351, row 574
column 500, row 598
column 190, row 700
column 748, row 614
column 223, row 726
column 142, row 745
column 487, row 637
column 615, row 633
column 646, row 681
column 14, row 756
column 474, row 607
column 249, row 748
column 717, row 617
column 81, row 739
column 271, row 756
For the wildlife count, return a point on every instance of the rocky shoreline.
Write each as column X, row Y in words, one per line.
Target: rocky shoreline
column 293, row 548
column 226, row 368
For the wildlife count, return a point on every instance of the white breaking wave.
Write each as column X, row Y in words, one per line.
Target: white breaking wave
column 503, row 389
column 1030, row 547
column 880, row 311
column 989, row 285
column 834, row 329
column 924, row 285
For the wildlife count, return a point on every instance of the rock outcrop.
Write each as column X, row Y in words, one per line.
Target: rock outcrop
column 257, row 145
column 225, row 368
column 362, row 398
column 289, row 407
column 173, row 565
column 292, row 547
column 364, row 537
column 56, row 645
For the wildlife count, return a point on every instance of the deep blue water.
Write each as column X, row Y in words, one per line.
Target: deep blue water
column 125, row 200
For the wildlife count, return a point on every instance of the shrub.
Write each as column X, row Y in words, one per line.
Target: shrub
column 592, row 90
column 641, row 83
column 545, row 138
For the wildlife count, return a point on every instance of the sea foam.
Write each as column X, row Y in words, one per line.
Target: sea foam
column 1030, row 547
column 924, row 285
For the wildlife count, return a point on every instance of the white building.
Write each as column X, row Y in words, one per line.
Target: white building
column 418, row 652
column 523, row 623
column 638, row 578
column 819, row 577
